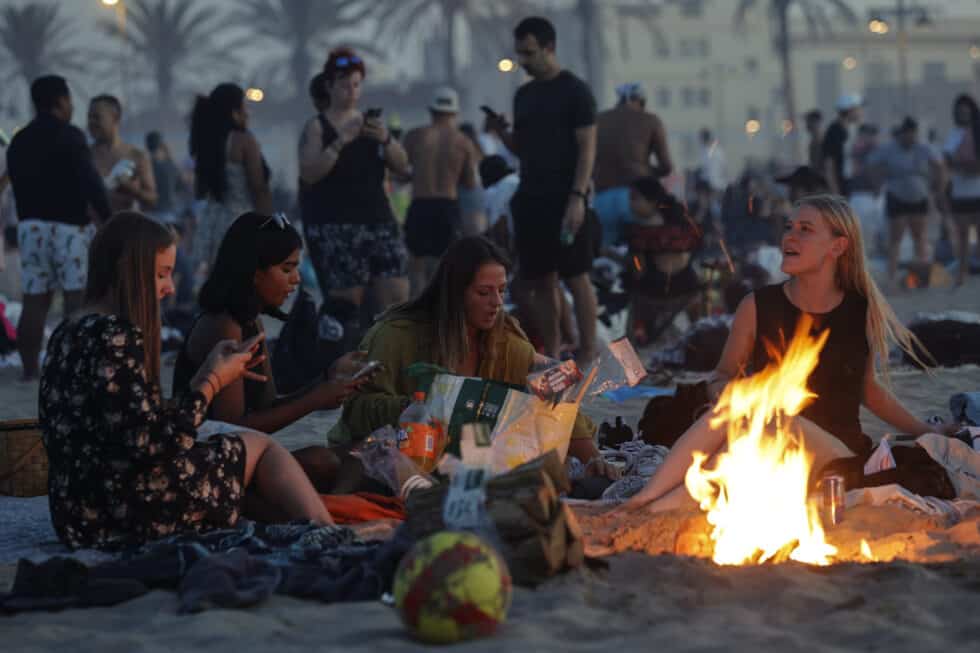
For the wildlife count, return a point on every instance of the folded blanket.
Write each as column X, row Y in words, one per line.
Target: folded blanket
column 227, row 568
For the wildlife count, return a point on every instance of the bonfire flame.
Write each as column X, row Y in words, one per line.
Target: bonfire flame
column 755, row 496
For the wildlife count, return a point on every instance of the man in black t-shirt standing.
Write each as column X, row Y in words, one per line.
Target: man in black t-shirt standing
column 837, row 164
column 554, row 136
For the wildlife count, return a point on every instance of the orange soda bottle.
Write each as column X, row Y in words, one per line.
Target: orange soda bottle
column 424, row 440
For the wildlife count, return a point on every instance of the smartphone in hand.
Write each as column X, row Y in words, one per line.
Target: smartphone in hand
column 373, row 113
column 370, row 369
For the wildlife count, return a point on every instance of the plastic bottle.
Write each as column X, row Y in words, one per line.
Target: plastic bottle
column 423, row 440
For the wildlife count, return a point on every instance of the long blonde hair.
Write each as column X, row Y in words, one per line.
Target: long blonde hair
column 883, row 326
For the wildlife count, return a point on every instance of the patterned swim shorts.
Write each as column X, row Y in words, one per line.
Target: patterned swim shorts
column 53, row 255
column 352, row 255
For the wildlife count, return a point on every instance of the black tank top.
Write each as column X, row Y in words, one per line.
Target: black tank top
column 185, row 369
column 838, row 379
column 353, row 192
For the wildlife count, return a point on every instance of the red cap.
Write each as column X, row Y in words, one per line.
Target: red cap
column 419, row 396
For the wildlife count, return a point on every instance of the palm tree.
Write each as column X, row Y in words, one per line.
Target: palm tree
column 301, row 25
column 400, row 20
column 37, row 39
column 172, row 36
column 817, row 15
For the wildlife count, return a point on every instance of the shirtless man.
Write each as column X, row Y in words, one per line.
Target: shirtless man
column 441, row 159
column 126, row 169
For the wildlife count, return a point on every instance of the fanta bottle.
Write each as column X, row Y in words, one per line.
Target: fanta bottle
column 423, row 437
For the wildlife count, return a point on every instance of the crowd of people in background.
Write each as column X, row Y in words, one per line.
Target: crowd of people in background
column 557, row 185
column 508, row 222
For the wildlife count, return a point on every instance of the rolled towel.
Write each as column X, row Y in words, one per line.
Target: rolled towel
column 965, row 407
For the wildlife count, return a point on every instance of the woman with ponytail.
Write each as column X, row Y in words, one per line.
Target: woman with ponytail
column 230, row 173
column 823, row 253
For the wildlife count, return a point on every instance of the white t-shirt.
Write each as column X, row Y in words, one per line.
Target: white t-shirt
column 964, row 186
column 713, row 164
column 497, row 199
column 491, row 145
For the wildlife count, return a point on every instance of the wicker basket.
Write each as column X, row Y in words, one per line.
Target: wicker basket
column 23, row 460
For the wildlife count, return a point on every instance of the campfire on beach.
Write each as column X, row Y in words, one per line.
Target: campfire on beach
column 755, row 492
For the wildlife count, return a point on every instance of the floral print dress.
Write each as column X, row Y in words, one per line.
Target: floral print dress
column 125, row 467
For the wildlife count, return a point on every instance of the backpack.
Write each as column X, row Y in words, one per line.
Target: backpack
column 665, row 419
column 293, row 363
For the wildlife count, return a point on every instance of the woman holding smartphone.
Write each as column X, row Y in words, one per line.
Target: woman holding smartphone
column 125, row 466
column 354, row 242
column 255, row 271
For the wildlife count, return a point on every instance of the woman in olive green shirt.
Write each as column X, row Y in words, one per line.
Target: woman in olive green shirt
column 459, row 323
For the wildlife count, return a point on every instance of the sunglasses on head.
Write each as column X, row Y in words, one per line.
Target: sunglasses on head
column 343, row 62
column 279, row 219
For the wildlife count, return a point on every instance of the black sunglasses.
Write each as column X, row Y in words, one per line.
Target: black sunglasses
column 343, row 62
column 279, row 219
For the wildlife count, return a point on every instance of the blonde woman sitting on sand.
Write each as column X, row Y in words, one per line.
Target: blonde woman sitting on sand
column 125, row 466
column 823, row 253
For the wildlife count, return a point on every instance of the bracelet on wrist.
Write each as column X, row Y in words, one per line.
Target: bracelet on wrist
column 214, row 385
column 577, row 193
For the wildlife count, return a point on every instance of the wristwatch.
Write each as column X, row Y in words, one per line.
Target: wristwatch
column 577, row 193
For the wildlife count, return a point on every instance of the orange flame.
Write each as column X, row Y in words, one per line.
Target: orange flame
column 755, row 495
column 866, row 551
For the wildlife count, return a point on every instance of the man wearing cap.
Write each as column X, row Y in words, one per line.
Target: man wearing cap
column 627, row 137
column 909, row 169
column 441, row 160
column 837, row 165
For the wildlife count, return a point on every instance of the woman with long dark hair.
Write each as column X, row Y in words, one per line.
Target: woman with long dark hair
column 963, row 156
column 230, row 173
column 354, row 242
column 125, row 466
column 256, row 269
column 459, row 323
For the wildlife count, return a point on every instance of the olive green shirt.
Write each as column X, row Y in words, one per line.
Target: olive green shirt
column 403, row 340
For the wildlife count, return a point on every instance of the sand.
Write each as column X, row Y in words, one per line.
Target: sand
column 639, row 597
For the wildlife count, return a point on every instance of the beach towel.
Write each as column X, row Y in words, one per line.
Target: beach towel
column 362, row 507
column 951, row 511
column 233, row 567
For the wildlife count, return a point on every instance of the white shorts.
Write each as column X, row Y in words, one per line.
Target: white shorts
column 53, row 256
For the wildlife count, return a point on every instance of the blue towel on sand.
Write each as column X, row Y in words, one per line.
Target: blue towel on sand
column 619, row 395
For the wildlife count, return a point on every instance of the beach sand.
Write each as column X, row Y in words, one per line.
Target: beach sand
column 638, row 598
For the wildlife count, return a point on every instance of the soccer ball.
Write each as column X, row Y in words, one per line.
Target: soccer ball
column 451, row 587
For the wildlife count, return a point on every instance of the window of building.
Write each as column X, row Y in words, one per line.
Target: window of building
column 828, row 85
column 752, row 113
column 663, row 97
column 704, row 48
column 934, row 71
column 688, row 96
column 692, row 8
column 752, row 66
column 704, row 97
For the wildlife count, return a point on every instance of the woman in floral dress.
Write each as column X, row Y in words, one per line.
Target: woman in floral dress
column 126, row 467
